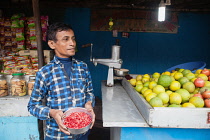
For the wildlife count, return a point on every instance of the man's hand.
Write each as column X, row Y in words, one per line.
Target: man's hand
column 89, row 107
column 57, row 115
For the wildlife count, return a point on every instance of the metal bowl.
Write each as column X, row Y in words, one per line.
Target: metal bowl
column 77, row 109
column 121, row 72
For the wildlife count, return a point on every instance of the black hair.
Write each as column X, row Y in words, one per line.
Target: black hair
column 57, row 27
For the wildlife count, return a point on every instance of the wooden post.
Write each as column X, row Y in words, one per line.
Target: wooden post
column 38, row 32
column 40, row 53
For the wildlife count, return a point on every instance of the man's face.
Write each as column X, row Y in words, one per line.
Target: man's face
column 65, row 45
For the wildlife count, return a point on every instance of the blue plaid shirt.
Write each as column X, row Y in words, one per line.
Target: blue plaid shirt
column 61, row 92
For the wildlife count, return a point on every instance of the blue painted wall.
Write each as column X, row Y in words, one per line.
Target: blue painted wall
column 142, row 52
column 147, row 133
column 19, row 128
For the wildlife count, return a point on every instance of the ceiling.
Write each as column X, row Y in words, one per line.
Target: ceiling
column 176, row 5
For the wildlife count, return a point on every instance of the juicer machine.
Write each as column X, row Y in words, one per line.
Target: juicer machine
column 113, row 62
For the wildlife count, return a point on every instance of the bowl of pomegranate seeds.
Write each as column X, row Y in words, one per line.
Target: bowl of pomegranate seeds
column 77, row 119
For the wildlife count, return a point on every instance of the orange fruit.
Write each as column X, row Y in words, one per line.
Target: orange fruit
column 145, row 79
column 207, row 84
column 173, row 73
column 156, row 75
column 158, row 89
column 146, row 92
column 150, row 96
column 164, row 80
column 180, row 70
column 152, row 84
column 193, row 79
column 144, row 89
column 164, row 97
column 138, row 87
column 190, row 75
column 175, row 85
column 198, row 71
column 146, row 84
column 166, row 73
column 169, row 92
column 178, row 75
column 174, row 105
column 197, row 101
column 196, row 91
column 146, row 76
column 203, row 76
column 175, row 98
column 133, row 82
column 189, row 86
column 183, row 80
column 184, row 94
column 188, row 105
column 185, row 71
column 138, row 82
column 139, row 77
column 156, row 102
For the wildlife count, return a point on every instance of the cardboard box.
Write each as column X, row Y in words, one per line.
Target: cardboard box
column 48, row 54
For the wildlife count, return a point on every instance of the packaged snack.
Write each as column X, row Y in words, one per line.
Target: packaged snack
column 32, row 31
column 7, row 22
column 3, row 86
column 17, row 16
column 33, row 44
column 21, row 45
column 15, row 23
column 34, row 60
column 31, row 22
column 18, row 84
column 1, row 22
column 20, row 34
column 31, row 84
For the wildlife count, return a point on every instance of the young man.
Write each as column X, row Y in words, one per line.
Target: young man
column 64, row 82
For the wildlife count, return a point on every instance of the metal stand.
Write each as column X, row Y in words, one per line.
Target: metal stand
column 110, row 79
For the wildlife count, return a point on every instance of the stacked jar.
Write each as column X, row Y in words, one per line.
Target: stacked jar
column 31, row 84
column 18, row 84
column 3, row 86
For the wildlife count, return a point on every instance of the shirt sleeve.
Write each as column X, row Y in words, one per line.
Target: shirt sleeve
column 89, row 88
column 35, row 104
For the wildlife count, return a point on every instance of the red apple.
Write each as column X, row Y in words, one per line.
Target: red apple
column 206, row 94
column 198, row 95
column 206, row 72
column 199, row 82
column 207, row 103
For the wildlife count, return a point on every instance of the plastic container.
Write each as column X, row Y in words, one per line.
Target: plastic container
column 31, row 84
column 77, row 109
column 18, row 84
column 3, row 86
column 193, row 66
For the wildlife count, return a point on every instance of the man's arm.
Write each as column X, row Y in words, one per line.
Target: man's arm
column 35, row 105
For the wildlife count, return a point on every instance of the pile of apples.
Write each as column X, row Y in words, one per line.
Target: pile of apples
column 199, row 82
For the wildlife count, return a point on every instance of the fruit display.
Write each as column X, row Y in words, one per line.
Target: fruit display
column 178, row 88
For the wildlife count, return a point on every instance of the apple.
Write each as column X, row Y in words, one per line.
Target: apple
column 198, row 95
column 207, row 103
